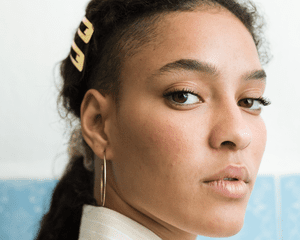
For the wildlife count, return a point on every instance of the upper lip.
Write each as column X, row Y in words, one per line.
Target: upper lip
column 231, row 171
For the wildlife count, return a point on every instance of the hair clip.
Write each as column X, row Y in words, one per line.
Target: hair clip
column 78, row 63
column 87, row 35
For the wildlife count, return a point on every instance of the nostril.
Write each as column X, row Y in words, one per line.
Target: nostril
column 228, row 143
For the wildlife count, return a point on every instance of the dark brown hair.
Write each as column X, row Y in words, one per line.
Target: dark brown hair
column 122, row 27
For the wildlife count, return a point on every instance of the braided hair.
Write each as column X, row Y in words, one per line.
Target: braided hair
column 121, row 28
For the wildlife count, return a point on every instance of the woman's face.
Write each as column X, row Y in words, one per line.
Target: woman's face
column 164, row 148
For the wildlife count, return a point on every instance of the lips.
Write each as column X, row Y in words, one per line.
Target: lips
column 240, row 173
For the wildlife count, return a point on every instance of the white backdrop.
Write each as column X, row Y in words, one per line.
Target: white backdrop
column 35, row 35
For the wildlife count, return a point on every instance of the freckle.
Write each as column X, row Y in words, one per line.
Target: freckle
column 172, row 164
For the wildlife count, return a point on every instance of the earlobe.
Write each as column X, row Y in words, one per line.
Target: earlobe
column 93, row 115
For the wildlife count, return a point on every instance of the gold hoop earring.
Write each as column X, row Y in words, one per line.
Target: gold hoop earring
column 103, row 181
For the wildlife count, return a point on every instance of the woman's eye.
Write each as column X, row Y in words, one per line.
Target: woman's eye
column 183, row 97
column 254, row 103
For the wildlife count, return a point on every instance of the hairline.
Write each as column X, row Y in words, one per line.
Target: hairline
column 140, row 33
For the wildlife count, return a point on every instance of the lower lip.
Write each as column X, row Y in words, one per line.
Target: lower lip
column 229, row 189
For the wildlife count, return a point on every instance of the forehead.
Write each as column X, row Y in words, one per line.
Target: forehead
column 215, row 36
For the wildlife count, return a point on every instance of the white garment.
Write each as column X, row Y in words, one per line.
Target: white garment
column 100, row 223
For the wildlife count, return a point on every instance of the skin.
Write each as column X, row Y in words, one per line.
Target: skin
column 160, row 153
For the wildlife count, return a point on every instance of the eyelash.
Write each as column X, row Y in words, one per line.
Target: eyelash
column 262, row 100
column 184, row 90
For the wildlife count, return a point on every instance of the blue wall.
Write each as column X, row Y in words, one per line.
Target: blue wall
column 269, row 215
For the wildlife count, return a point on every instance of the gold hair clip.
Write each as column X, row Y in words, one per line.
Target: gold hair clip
column 87, row 35
column 78, row 63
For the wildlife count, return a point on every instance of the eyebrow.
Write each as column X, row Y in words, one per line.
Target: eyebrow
column 204, row 67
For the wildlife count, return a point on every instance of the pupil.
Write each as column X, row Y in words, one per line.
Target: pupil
column 182, row 97
column 248, row 102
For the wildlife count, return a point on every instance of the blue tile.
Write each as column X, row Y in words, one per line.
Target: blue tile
column 260, row 219
column 290, row 207
column 22, row 204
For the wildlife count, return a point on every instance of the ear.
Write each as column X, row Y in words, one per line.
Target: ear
column 96, row 114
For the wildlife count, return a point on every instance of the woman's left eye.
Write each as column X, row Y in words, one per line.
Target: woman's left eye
column 254, row 103
column 182, row 97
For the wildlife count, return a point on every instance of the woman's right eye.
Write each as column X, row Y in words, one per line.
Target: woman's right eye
column 182, row 97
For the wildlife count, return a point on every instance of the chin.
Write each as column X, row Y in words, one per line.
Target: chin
column 227, row 228
column 222, row 227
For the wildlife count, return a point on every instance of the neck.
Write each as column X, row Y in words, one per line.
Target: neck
column 116, row 202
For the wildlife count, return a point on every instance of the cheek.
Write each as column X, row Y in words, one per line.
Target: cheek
column 258, row 143
column 168, row 137
column 261, row 136
column 157, row 145
column 158, row 136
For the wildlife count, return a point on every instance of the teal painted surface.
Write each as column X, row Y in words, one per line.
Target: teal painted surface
column 23, row 202
column 290, row 207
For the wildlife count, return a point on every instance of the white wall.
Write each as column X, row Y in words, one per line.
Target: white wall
column 35, row 35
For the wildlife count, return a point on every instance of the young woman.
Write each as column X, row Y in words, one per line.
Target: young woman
column 168, row 94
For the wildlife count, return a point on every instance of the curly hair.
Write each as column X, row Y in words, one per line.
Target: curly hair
column 122, row 27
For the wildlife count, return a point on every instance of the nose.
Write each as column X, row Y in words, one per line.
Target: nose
column 229, row 128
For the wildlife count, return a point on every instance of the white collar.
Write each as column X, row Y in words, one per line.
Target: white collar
column 100, row 223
